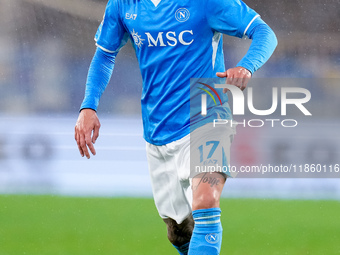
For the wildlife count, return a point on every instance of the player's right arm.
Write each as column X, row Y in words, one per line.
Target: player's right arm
column 87, row 132
column 110, row 37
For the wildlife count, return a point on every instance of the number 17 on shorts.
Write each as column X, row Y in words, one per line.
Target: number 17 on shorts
column 210, row 150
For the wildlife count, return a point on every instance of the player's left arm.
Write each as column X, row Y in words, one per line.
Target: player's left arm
column 262, row 47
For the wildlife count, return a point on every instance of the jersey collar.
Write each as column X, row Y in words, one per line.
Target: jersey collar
column 156, row 2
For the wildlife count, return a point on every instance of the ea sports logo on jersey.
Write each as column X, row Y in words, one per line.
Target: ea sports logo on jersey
column 182, row 14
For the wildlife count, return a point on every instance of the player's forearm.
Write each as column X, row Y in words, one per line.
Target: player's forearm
column 262, row 47
column 99, row 75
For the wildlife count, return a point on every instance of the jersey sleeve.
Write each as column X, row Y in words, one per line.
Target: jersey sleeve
column 111, row 34
column 263, row 44
column 231, row 17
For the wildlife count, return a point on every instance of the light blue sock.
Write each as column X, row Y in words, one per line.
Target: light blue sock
column 207, row 235
column 183, row 250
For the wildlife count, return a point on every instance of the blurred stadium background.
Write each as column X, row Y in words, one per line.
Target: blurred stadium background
column 45, row 51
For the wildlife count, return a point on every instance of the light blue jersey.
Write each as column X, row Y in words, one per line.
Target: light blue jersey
column 174, row 42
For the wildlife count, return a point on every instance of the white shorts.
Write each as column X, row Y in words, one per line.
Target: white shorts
column 169, row 167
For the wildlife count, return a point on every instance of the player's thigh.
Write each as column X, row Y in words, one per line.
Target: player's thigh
column 169, row 190
column 210, row 149
column 210, row 162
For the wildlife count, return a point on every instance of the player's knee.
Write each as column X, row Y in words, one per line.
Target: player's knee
column 206, row 200
column 179, row 234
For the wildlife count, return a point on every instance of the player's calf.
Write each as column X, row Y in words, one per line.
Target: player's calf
column 207, row 189
column 180, row 234
column 207, row 234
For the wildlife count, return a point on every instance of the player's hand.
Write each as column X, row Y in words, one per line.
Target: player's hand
column 87, row 125
column 238, row 76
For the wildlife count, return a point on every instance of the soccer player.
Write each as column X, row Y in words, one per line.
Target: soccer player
column 174, row 42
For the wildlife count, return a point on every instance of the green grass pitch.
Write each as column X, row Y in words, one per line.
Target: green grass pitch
column 47, row 225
